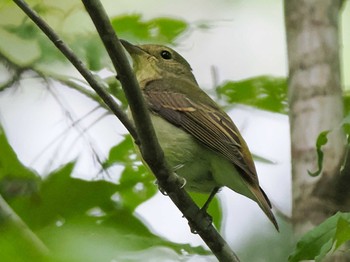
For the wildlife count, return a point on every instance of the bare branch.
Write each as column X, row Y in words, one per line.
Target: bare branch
column 150, row 148
column 78, row 64
column 149, row 145
column 9, row 218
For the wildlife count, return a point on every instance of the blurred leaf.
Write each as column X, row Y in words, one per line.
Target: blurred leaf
column 9, row 162
column 15, row 178
column 342, row 234
column 264, row 92
column 346, row 126
column 90, row 48
column 84, row 241
column 29, row 32
column 158, row 30
column 122, row 153
column 138, row 186
column 84, row 220
column 318, row 242
column 62, row 197
column 137, row 183
column 131, row 27
column 166, row 30
column 49, row 53
column 14, row 248
column 116, row 90
column 320, row 142
column 346, row 102
column 26, row 30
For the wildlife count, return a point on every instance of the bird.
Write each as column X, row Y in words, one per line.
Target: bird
column 200, row 141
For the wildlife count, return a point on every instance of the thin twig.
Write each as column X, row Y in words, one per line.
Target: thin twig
column 150, row 148
column 10, row 219
column 78, row 64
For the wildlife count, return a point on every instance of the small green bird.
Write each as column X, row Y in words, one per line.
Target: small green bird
column 199, row 140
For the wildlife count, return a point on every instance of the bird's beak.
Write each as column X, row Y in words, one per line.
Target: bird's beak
column 133, row 50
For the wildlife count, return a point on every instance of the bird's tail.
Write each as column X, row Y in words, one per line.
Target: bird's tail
column 263, row 202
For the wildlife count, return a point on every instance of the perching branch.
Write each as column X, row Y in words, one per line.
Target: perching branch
column 145, row 136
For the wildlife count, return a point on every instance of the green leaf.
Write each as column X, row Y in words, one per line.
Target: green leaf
column 346, row 126
column 116, row 90
column 166, row 30
column 158, row 30
column 27, row 30
column 346, row 101
column 84, row 220
column 61, row 197
column 318, row 242
column 342, row 234
column 90, row 48
column 131, row 27
column 264, row 92
column 321, row 141
column 85, row 241
column 136, row 186
column 15, row 178
column 122, row 153
column 136, row 182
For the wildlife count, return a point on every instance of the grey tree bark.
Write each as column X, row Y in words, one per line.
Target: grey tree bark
column 315, row 100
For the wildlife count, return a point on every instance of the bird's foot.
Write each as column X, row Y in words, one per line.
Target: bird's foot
column 202, row 221
column 180, row 181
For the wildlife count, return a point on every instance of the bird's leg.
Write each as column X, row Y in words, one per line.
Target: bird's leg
column 210, row 198
column 179, row 180
column 203, row 214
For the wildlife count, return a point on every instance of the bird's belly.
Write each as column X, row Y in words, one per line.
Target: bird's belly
column 188, row 158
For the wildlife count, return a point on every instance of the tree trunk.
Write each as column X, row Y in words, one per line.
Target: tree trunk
column 315, row 100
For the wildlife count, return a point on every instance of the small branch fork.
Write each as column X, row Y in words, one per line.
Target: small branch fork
column 144, row 133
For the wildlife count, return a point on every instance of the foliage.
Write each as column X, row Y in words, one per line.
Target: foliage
column 320, row 142
column 263, row 92
column 159, row 30
column 80, row 220
column 323, row 140
column 323, row 239
column 83, row 220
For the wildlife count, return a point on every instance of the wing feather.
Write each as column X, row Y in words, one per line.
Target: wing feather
column 205, row 121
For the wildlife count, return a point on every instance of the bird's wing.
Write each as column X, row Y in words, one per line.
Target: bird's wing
column 203, row 120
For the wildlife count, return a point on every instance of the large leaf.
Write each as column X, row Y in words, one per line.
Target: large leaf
column 15, row 178
column 264, row 92
column 318, row 242
column 158, row 30
column 84, row 220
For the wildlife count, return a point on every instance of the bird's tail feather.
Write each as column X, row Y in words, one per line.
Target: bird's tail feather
column 264, row 203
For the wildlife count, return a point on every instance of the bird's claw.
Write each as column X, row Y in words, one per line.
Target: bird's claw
column 180, row 181
column 202, row 219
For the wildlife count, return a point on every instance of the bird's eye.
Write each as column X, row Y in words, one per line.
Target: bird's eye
column 166, row 54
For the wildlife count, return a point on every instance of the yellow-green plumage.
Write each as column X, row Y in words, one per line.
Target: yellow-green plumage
column 198, row 138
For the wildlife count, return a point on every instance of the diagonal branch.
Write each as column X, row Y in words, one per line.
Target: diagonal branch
column 10, row 219
column 78, row 64
column 146, row 138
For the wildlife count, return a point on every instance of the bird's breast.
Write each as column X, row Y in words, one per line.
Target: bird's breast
column 186, row 155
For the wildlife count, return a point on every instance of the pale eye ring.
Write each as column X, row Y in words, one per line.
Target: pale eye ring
column 166, row 54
